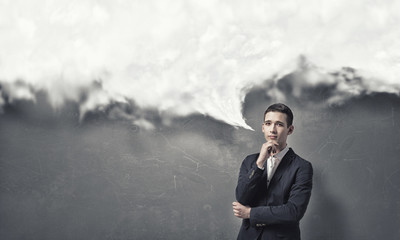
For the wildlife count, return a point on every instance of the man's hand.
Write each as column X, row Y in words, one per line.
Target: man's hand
column 267, row 150
column 241, row 211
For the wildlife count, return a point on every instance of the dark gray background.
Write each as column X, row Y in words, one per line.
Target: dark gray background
column 105, row 178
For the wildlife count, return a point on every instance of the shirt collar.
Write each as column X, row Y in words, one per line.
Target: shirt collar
column 282, row 153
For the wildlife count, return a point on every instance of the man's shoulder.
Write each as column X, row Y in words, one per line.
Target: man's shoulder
column 300, row 161
column 251, row 158
column 254, row 155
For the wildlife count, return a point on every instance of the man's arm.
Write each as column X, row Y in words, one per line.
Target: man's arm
column 250, row 173
column 248, row 182
column 294, row 209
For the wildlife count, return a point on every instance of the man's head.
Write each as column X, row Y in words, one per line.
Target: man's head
column 278, row 124
column 282, row 108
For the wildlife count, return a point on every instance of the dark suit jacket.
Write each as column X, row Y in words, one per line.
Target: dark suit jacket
column 276, row 210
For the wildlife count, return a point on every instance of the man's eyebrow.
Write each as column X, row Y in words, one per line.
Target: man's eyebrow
column 269, row 121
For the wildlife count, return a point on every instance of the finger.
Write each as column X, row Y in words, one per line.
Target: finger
column 272, row 143
column 238, row 205
column 270, row 150
column 273, row 147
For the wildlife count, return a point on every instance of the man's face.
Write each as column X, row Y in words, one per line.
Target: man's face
column 275, row 128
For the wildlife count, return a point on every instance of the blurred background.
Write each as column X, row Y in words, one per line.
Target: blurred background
column 130, row 119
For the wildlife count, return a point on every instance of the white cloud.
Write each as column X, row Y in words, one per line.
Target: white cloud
column 185, row 57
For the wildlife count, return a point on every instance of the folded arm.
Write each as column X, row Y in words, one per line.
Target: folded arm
column 294, row 209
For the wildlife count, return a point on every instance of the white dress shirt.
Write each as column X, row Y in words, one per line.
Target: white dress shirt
column 273, row 162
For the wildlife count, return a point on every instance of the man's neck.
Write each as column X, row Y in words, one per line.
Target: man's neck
column 281, row 153
column 280, row 148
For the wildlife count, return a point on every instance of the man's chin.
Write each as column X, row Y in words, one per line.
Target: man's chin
column 274, row 140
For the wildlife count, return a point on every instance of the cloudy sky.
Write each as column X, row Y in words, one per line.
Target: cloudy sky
column 187, row 57
column 118, row 116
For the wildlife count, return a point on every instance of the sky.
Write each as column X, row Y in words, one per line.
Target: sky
column 189, row 57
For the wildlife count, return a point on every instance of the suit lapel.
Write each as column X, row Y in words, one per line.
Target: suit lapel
column 283, row 165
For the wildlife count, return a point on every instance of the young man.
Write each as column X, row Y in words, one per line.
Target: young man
column 274, row 186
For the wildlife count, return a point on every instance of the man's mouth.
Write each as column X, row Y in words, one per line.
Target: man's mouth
column 273, row 137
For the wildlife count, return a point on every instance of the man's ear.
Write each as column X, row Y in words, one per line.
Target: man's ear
column 291, row 129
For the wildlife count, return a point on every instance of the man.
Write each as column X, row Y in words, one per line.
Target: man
column 274, row 186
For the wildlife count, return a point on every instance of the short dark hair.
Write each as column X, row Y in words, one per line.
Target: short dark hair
column 280, row 107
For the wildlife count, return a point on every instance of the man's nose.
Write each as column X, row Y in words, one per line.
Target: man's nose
column 273, row 128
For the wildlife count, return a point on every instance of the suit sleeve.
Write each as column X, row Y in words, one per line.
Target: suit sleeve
column 248, row 182
column 294, row 209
